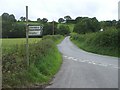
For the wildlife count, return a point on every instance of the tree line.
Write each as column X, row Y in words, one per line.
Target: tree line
column 13, row 28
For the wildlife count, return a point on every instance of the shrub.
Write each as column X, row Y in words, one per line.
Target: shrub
column 45, row 61
column 106, row 42
column 63, row 30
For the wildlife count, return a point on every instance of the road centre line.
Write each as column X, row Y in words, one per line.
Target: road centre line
column 90, row 62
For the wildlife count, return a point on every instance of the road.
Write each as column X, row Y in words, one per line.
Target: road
column 81, row 69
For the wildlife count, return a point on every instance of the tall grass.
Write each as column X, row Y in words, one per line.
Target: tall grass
column 45, row 61
column 56, row 38
column 105, row 43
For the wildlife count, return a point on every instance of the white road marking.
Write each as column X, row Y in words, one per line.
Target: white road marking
column 94, row 63
column 91, row 62
column 65, row 56
column 75, row 59
column 70, row 57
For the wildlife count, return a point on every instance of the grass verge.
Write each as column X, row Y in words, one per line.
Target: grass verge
column 104, row 43
column 45, row 61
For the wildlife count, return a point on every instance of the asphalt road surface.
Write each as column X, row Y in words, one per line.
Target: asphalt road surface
column 81, row 69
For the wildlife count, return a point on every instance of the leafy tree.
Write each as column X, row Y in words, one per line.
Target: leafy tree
column 12, row 18
column 71, row 21
column 48, row 29
column 95, row 25
column 5, row 17
column 19, row 30
column 7, row 24
column 60, row 20
column 86, row 25
column 67, row 17
column 118, row 25
column 63, row 30
column 38, row 20
column 44, row 20
column 78, row 19
column 22, row 18
column 107, row 24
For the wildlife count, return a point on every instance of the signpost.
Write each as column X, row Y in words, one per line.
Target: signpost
column 35, row 30
column 31, row 31
column 27, row 46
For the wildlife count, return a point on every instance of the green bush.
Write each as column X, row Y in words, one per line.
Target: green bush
column 63, row 30
column 105, row 42
column 55, row 38
column 86, row 25
column 45, row 61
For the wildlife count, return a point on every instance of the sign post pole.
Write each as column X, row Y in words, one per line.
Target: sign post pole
column 27, row 46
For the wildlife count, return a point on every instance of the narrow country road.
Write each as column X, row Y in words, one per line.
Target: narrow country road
column 81, row 69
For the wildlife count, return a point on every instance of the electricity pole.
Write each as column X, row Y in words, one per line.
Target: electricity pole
column 27, row 45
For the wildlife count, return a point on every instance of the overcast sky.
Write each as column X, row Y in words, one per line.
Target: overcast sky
column 55, row 9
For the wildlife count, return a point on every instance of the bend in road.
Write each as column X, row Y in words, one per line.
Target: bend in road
column 81, row 69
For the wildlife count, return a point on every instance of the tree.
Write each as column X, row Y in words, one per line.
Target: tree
column 63, row 30
column 60, row 20
column 12, row 18
column 38, row 20
column 118, row 25
column 22, row 18
column 18, row 31
column 5, row 17
column 44, row 20
column 7, row 24
column 86, row 25
column 78, row 19
column 67, row 17
column 48, row 29
column 95, row 25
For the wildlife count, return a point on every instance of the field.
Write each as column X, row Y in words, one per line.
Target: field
column 44, row 59
column 17, row 41
column 7, row 44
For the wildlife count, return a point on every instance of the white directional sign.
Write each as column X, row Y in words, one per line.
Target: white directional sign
column 35, row 30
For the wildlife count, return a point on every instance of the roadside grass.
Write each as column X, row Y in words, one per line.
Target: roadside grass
column 105, row 43
column 56, row 38
column 45, row 61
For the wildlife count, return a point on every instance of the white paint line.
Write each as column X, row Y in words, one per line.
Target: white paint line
column 75, row 59
column 94, row 63
column 65, row 56
column 104, row 65
column 83, row 61
column 90, row 62
column 70, row 58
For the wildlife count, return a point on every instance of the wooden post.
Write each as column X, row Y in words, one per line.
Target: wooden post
column 27, row 44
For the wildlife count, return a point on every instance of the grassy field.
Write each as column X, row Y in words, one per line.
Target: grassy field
column 44, row 58
column 7, row 44
column 18, row 41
